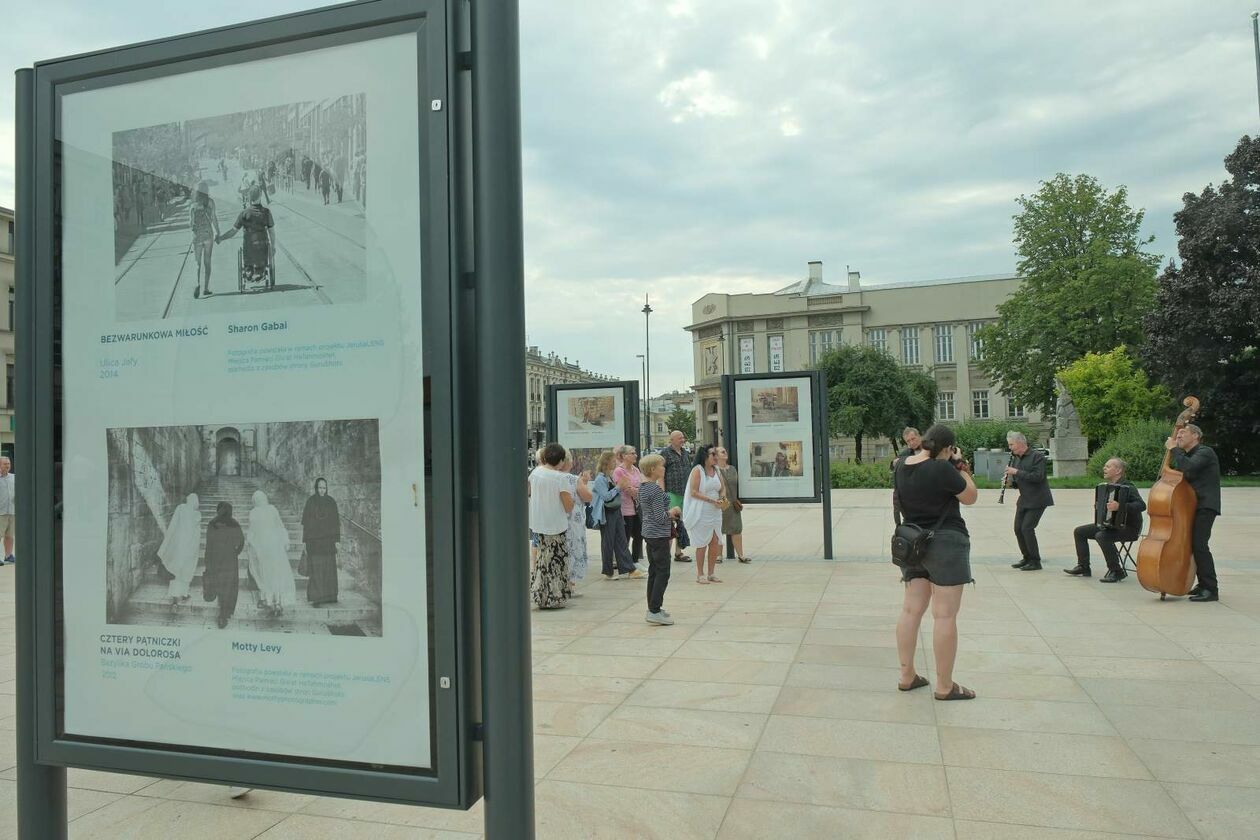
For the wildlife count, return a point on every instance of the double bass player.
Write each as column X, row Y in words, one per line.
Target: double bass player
column 1107, row 537
column 1199, row 465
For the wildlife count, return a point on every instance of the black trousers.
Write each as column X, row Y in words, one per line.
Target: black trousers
column 1026, row 520
column 612, row 542
column 635, row 534
column 1106, row 539
column 1204, row 564
column 658, row 571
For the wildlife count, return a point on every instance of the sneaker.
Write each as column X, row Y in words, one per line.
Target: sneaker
column 10, row 559
column 658, row 618
column 613, row 576
column 238, row 792
column 635, row 575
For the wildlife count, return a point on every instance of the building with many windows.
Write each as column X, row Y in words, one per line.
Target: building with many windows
column 6, row 330
column 542, row 370
column 929, row 324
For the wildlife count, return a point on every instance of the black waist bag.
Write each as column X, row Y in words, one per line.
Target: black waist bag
column 909, row 541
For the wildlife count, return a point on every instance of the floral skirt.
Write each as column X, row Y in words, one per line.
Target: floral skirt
column 549, row 583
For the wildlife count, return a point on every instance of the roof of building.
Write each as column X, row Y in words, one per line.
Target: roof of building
column 813, row 287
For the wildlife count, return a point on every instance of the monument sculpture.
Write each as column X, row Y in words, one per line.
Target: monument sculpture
column 1069, row 449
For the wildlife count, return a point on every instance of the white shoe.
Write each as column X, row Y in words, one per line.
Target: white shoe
column 658, row 618
column 238, row 792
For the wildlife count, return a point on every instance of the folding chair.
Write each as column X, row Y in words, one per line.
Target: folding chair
column 1127, row 563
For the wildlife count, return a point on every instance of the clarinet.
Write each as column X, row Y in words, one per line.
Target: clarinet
column 1005, row 479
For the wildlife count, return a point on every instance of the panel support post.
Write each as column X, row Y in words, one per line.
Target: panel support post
column 824, row 461
column 41, row 789
column 499, row 262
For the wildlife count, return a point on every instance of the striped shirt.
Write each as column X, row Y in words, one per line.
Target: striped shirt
column 654, row 508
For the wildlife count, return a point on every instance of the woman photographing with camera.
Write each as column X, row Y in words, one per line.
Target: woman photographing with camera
column 928, row 487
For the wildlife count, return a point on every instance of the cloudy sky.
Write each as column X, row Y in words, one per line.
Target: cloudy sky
column 678, row 147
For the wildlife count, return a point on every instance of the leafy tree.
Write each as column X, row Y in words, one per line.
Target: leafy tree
column 989, row 434
column 1110, row 392
column 1087, row 283
column 682, row 420
column 1140, row 444
column 868, row 393
column 1203, row 334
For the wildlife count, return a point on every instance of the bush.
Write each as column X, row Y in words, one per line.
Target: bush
column 848, row 476
column 1140, row 444
column 989, row 434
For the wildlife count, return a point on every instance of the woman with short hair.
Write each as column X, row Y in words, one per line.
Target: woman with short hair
column 550, row 504
column 930, row 485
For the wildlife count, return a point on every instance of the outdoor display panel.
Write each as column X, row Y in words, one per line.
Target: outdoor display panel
column 589, row 419
column 254, row 418
column 774, row 432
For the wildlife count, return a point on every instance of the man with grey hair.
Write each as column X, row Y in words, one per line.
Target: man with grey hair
column 1202, row 470
column 677, row 469
column 1126, row 496
column 1027, row 473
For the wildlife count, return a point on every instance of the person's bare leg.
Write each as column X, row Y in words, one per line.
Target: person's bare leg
column 715, row 551
column 945, row 603
column 913, row 606
column 737, row 540
column 700, row 562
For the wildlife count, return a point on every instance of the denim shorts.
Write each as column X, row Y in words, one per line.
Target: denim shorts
column 947, row 562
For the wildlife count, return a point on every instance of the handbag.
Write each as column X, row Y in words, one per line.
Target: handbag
column 909, row 542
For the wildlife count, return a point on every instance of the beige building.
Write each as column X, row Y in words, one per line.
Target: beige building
column 660, row 408
column 542, row 370
column 929, row 324
column 6, row 330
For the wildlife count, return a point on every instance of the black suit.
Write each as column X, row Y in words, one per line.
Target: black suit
column 1203, row 471
column 1108, row 537
column 1034, row 498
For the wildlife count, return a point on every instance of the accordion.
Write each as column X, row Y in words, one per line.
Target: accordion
column 1104, row 518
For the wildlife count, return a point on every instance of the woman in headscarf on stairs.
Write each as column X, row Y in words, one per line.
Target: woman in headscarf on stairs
column 178, row 551
column 321, row 531
column 222, row 579
column 268, row 544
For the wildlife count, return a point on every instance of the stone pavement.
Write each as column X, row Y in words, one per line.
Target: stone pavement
column 769, row 709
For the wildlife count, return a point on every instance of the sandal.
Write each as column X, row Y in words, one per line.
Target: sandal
column 701, row 579
column 957, row 693
column 714, row 579
column 745, row 559
column 917, row 682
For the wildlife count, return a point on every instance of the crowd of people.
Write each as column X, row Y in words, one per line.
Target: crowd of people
column 644, row 512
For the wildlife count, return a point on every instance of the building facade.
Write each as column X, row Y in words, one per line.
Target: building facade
column 659, row 410
column 928, row 324
column 6, row 330
column 542, row 370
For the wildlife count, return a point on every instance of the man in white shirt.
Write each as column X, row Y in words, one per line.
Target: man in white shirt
column 8, row 492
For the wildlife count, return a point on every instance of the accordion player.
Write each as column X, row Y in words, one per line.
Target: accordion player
column 1117, row 518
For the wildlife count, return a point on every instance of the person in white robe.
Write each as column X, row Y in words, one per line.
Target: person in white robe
column 267, row 541
column 179, row 548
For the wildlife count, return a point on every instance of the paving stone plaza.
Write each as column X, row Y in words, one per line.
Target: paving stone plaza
column 769, row 709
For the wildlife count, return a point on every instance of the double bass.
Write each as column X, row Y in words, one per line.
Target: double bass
column 1164, row 562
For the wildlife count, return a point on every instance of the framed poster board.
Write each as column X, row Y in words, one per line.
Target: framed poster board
column 244, row 410
column 588, row 418
column 775, row 432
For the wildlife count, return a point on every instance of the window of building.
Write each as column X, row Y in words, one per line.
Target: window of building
column 943, row 339
column 1015, row 409
column 945, row 405
column 837, row 452
column 910, row 345
column 746, row 364
column 660, row 427
column 8, row 385
column 776, row 353
column 882, row 452
column 821, row 341
column 878, row 338
column 10, row 308
column 980, row 404
column 977, row 344
column 8, row 239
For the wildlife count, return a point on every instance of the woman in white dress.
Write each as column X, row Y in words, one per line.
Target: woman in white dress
column 267, row 541
column 702, row 512
column 178, row 551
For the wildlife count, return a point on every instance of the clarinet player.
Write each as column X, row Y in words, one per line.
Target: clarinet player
column 1028, row 475
column 1107, row 536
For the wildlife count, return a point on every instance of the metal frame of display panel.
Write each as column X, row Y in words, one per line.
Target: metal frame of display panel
column 822, row 460
column 630, row 402
column 473, row 343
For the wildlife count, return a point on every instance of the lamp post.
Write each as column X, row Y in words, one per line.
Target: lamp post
column 647, row 350
column 1255, row 35
column 647, row 407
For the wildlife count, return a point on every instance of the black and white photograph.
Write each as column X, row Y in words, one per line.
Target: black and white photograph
column 254, row 210
column 265, row 526
column 775, row 405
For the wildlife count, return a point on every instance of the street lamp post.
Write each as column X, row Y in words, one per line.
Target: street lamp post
column 647, row 409
column 647, row 350
column 1255, row 35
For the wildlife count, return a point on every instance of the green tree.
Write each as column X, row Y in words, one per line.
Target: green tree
column 1087, row 284
column 1203, row 334
column 682, row 420
column 869, row 394
column 1111, row 392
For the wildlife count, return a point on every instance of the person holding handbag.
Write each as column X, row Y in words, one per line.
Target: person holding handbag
column 732, row 518
column 606, row 514
column 627, row 458
column 702, row 512
column 930, row 485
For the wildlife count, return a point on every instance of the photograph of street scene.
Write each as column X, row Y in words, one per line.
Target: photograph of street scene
column 589, row 413
column 255, row 210
column 776, row 460
column 776, row 405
